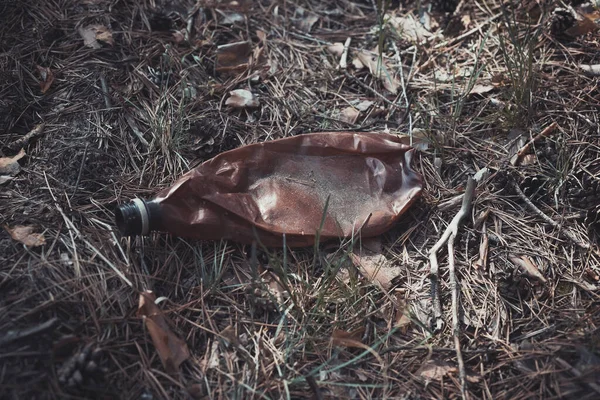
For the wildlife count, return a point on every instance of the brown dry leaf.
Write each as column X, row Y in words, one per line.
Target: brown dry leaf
column 402, row 321
column 172, row 350
column 242, row 98
column 409, row 28
column 104, row 34
column 25, row 235
column 434, row 370
column 349, row 115
column 527, row 265
column 337, row 49
column 233, row 57
column 229, row 334
column 378, row 69
column 585, row 24
column 47, row 78
column 93, row 33
column 340, row 337
column 9, row 166
column 374, row 265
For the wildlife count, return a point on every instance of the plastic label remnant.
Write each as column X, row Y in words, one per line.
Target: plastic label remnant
column 336, row 183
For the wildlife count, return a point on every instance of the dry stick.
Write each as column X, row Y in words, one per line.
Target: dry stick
column 455, row 302
column 105, row 92
column 450, row 237
column 564, row 231
column 518, row 158
column 433, row 261
column 21, row 142
column 14, row 335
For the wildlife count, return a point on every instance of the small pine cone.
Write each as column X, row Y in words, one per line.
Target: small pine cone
column 534, row 185
column 81, row 367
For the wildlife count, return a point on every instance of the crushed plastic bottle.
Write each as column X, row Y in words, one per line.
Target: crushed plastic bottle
column 338, row 184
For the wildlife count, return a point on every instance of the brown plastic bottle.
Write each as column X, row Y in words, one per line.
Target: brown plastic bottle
column 349, row 183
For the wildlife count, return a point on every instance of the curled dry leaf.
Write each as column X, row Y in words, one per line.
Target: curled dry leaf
column 242, row 98
column 337, row 49
column 409, row 28
column 481, row 88
column 340, row 337
column 377, row 67
column 25, row 235
column 172, row 350
column 307, row 23
column 434, row 370
column 91, row 34
column 584, row 24
column 349, row 115
column 9, row 166
column 374, row 265
column 233, row 57
column 527, row 265
column 47, row 77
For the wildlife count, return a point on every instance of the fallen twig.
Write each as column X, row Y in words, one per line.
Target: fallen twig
column 449, row 236
column 518, row 158
column 14, row 335
column 38, row 130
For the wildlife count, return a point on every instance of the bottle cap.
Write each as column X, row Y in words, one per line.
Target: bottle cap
column 134, row 218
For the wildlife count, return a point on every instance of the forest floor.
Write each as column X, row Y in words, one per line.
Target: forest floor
column 102, row 101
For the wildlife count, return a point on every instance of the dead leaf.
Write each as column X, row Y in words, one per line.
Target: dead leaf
column 435, row 370
column 342, row 338
column 242, row 98
column 353, row 339
column 172, row 350
column 409, row 28
column 307, row 23
column 9, row 166
column 481, row 89
column 527, row 265
column 364, row 105
column 593, row 69
column 374, row 265
column 25, row 235
column 47, row 78
column 233, row 57
column 378, row 69
column 104, row 34
column 349, row 115
column 402, row 321
column 93, row 33
column 357, row 64
column 585, row 24
column 230, row 336
column 337, row 49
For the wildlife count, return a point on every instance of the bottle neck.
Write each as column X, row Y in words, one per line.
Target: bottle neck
column 138, row 218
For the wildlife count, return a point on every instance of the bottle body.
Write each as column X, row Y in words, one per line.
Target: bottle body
column 326, row 185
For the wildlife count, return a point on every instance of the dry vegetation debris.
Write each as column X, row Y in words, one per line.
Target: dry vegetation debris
column 105, row 100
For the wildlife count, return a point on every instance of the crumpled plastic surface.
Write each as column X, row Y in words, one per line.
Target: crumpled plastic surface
column 262, row 191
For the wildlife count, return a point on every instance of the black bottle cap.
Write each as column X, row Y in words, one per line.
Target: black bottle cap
column 137, row 218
